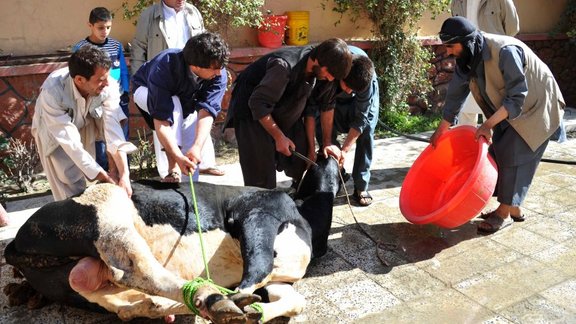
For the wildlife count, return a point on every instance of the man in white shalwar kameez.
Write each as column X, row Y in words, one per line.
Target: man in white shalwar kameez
column 75, row 107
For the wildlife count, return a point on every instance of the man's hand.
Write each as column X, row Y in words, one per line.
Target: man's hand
column 312, row 156
column 185, row 164
column 335, row 152
column 484, row 131
column 125, row 184
column 103, row 176
column 442, row 128
column 283, row 145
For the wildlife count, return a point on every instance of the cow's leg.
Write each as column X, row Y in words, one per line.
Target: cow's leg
column 284, row 301
column 91, row 278
column 130, row 303
column 130, row 261
column 259, row 227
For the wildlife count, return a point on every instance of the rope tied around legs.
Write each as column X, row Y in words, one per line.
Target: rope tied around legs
column 191, row 287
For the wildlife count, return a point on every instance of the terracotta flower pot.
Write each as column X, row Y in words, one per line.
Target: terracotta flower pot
column 271, row 32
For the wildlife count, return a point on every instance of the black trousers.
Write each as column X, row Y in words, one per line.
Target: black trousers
column 259, row 159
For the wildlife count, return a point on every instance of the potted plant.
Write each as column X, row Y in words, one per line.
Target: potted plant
column 271, row 30
column 219, row 16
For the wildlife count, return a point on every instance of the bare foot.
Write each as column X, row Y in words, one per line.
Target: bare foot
column 172, row 177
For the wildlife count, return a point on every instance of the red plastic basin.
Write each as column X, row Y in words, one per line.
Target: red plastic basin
column 450, row 184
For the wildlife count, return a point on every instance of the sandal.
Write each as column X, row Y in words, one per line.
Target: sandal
column 494, row 223
column 519, row 218
column 363, row 198
column 172, row 177
column 212, row 171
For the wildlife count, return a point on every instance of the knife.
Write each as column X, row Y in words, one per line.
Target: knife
column 299, row 155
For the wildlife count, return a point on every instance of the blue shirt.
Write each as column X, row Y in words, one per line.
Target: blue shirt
column 365, row 102
column 511, row 65
column 168, row 75
column 114, row 49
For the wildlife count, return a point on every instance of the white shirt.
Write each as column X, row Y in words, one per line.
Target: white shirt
column 64, row 118
column 472, row 8
column 176, row 28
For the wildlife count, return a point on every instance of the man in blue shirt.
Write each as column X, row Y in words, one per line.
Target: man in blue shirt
column 175, row 84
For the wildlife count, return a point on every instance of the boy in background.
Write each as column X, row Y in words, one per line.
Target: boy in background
column 100, row 24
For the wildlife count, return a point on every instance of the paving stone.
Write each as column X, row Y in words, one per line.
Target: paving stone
column 522, row 240
column 537, row 309
column 447, row 306
column 408, row 282
column 523, row 274
column 510, row 283
column 487, row 255
column 563, row 294
column 361, row 298
column 551, row 228
column 561, row 256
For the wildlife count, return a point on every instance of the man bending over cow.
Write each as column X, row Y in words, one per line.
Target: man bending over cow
column 356, row 114
column 267, row 103
column 175, row 84
column 74, row 109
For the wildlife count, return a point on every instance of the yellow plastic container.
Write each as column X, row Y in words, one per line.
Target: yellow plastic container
column 298, row 26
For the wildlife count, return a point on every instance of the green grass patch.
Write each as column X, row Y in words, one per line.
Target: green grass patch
column 405, row 123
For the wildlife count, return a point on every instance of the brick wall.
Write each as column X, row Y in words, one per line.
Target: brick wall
column 559, row 53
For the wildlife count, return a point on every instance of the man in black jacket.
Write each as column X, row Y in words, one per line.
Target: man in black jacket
column 268, row 102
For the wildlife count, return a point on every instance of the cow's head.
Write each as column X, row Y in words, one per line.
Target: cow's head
column 315, row 198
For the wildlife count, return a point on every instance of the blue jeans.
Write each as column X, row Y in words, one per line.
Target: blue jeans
column 344, row 115
column 100, row 146
column 101, row 157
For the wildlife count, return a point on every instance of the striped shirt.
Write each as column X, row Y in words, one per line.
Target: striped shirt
column 114, row 49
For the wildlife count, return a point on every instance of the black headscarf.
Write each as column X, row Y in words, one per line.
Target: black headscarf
column 460, row 30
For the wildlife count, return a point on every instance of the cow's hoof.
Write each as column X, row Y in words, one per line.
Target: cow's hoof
column 37, row 301
column 241, row 300
column 223, row 310
column 18, row 293
column 252, row 316
column 224, row 306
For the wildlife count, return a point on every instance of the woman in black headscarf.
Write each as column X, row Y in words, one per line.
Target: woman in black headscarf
column 521, row 100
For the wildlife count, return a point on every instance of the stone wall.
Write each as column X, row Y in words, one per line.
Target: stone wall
column 558, row 53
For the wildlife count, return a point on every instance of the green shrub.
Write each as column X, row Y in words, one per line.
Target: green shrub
column 401, row 62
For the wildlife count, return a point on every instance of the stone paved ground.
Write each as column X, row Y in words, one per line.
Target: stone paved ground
column 523, row 274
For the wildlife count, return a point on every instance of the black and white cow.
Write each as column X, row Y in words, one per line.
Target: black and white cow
column 133, row 256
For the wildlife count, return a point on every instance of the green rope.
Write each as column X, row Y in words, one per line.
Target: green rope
column 199, row 227
column 257, row 307
column 191, row 287
column 189, row 290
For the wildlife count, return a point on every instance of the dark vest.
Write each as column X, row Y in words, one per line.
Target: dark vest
column 293, row 101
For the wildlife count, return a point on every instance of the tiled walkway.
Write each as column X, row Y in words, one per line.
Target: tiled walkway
column 423, row 274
